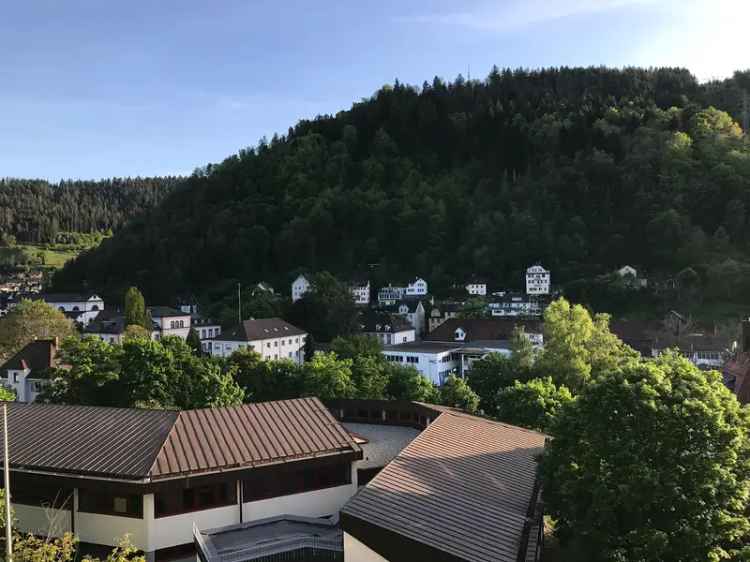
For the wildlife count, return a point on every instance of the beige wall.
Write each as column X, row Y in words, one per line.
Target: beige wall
column 356, row 551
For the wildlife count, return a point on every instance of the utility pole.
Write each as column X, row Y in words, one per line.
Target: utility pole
column 6, row 480
column 745, row 114
column 239, row 304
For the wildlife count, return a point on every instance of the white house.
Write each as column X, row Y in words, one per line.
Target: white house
column 360, row 292
column 413, row 311
column 390, row 295
column 417, row 288
column 205, row 327
column 24, row 373
column 103, row 473
column 389, row 329
column 169, row 322
column 300, row 286
column 515, row 304
column 81, row 308
column 435, row 360
column 441, row 312
column 537, row 280
column 272, row 338
column 476, row 288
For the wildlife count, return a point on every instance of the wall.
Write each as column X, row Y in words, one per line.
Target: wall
column 429, row 364
column 41, row 521
column 356, row 551
column 310, row 504
column 108, row 529
column 279, row 348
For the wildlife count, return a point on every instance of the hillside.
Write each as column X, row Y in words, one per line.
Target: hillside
column 36, row 211
column 582, row 169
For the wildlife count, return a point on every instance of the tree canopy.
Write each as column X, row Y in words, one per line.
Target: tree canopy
column 30, row 320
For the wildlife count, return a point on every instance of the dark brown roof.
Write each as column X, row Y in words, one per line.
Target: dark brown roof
column 133, row 444
column 262, row 329
column 482, row 328
column 35, row 355
column 464, row 486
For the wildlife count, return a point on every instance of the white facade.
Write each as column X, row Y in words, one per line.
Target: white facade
column 361, row 294
column 515, row 305
column 477, row 289
column 537, row 280
column 287, row 347
column 415, row 315
column 433, row 361
column 86, row 309
column 391, row 295
column 26, row 388
column 300, row 286
column 387, row 337
column 207, row 330
column 172, row 325
column 417, row 288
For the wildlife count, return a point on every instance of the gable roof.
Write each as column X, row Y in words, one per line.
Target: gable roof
column 378, row 321
column 165, row 312
column 35, row 355
column 482, row 328
column 464, row 486
column 146, row 445
column 62, row 297
column 261, row 329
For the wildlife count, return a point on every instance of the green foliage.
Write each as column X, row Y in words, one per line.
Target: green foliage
column 575, row 167
column 534, row 404
column 327, row 310
column 406, row 383
column 7, row 395
column 328, row 377
column 475, row 307
column 194, row 341
column 30, row 320
column 75, row 213
column 457, row 394
column 135, row 309
column 358, row 345
column 140, row 372
column 651, row 462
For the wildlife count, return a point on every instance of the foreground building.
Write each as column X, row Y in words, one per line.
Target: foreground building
column 272, row 338
column 155, row 474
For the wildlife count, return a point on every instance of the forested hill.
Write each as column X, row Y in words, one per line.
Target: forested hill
column 34, row 211
column 582, row 169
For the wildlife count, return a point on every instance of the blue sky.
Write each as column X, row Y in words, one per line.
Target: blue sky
column 95, row 88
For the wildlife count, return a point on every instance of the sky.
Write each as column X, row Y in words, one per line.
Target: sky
column 92, row 89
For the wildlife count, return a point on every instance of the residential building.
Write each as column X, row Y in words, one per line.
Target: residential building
column 272, row 338
column 476, row 288
column 515, row 304
column 360, row 292
column 205, row 327
column 156, row 474
column 435, row 360
column 300, row 286
column 420, row 507
column 79, row 307
column 390, row 295
column 109, row 327
column 26, row 372
column 389, row 329
column 705, row 351
column 537, row 280
column 630, row 276
column 417, row 288
column 414, row 312
column 440, row 312
column 169, row 321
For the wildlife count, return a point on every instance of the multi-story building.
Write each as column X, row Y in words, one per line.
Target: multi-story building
column 205, row 327
column 154, row 475
column 169, row 321
column 272, row 338
column 79, row 307
column 389, row 329
column 537, row 280
column 417, row 288
column 300, row 286
column 390, row 295
column 440, row 312
column 26, row 372
column 360, row 292
column 515, row 304
column 476, row 288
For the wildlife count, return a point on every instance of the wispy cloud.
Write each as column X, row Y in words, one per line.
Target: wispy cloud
column 514, row 14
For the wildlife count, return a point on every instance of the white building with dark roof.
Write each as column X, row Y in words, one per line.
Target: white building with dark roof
column 169, row 321
column 300, row 286
column 537, row 280
column 79, row 307
column 360, row 292
column 26, row 372
column 272, row 338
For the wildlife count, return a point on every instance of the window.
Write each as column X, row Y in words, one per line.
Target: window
column 268, row 344
column 276, row 343
column 290, row 354
column 283, row 481
column 412, row 359
column 296, row 340
column 107, row 503
column 40, row 494
column 172, row 501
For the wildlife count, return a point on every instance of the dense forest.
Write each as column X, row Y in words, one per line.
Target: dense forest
column 583, row 169
column 35, row 211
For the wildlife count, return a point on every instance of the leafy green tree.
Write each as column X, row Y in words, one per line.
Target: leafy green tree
column 266, row 380
column 457, row 394
column 194, row 341
column 357, row 345
column 406, row 383
column 7, row 395
column 488, row 376
column 534, row 404
column 134, row 331
column 30, row 320
column 370, row 376
column 135, row 309
column 327, row 310
column 475, row 307
column 328, row 377
column 651, row 462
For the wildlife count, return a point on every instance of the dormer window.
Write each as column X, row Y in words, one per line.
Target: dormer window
column 459, row 334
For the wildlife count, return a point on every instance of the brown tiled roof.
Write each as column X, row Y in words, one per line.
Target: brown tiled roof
column 261, row 329
column 36, row 355
column 250, row 435
column 133, row 444
column 482, row 328
column 464, row 487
